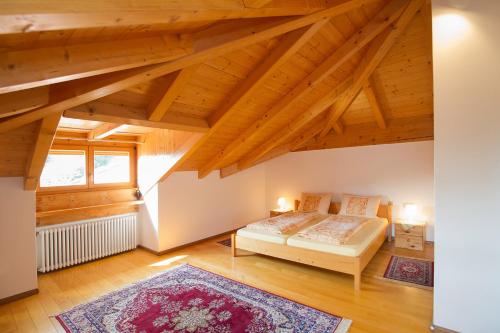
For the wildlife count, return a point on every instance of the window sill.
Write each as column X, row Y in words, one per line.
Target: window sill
column 68, row 210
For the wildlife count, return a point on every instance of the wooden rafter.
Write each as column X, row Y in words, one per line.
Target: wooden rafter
column 21, row 101
column 44, row 15
column 288, row 46
column 173, row 86
column 119, row 114
column 104, row 130
column 30, row 68
column 295, row 125
column 46, row 134
column 360, row 39
column 374, row 104
column 398, row 130
column 77, row 93
column 374, row 56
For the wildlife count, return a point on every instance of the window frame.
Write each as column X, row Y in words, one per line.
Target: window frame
column 89, row 164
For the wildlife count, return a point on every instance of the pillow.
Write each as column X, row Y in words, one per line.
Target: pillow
column 357, row 205
column 319, row 202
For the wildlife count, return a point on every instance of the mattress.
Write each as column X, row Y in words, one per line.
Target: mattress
column 353, row 248
column 274, row 237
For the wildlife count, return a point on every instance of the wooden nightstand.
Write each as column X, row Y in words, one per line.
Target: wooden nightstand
column 278, row 212
column 410, row 236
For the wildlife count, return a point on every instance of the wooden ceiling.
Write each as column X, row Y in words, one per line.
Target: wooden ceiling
column 259, row 78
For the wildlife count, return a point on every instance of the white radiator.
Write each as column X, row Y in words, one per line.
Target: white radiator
column 72, row 243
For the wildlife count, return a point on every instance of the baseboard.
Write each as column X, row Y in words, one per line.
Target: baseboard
column 180, row 247
column 438, row 329
column 19, row 296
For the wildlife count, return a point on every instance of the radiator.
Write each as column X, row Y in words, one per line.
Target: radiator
column 72, row 243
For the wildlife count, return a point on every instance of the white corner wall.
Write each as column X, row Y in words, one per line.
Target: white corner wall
column 467, row 165
column 190, row 209
column 399, row 172
column 17, row 238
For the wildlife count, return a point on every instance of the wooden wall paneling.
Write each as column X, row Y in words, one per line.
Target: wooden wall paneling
column 21, row 101
column 375, row 54
column 38, row 67
column 121, row 114
column 36, row 162
column 86, row 213
column 356, row 42
column 15, row 149
column 207, row 46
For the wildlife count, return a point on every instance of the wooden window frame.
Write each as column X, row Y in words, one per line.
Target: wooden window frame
column 89, row 156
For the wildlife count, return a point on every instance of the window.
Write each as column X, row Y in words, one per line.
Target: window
column 111, row 167
column 64, row 168
column 83, row 167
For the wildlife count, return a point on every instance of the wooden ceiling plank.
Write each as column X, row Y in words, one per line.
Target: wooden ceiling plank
column 174, row 86
column 23, row 69
column 295, row 125
column 360, row 39
column 204, row 49
column 45, row 137
column 120, row 114
column 287, row 47
column 338, row 127
column 374, row 56
column 105, row 130
column 21, row 101
column 28, row 16
column 374, row 104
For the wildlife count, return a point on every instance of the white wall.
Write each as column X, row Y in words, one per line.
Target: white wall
column 467, row 165
column 17, row 238
column 399, row 172
column 190, row 209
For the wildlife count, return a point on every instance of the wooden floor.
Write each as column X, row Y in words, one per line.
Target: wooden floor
column 381, row 306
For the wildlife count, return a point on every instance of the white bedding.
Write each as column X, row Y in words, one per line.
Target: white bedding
column 353, row 247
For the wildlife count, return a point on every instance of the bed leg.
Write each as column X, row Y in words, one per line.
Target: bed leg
column 233, row 245
column 357, row 282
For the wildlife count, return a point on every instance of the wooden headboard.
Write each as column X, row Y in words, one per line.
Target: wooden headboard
column 384, row 211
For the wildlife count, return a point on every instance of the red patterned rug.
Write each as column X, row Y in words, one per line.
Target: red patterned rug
column 192, row 300
column 411, row 270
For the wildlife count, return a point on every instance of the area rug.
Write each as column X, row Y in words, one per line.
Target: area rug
column 411, row 271
column 190, row 299
column 225, row 242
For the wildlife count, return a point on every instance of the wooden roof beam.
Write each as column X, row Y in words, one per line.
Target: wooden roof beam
column 360, row 39
column 23, row 69
column 21, row 101
column 45, row 137
column 288, row 46
column 175, row 83
column 71, row 94
column 294, row 126
column 124, row 115
column 374, row 56
column 374, row 104
column 104, row 130
column 45, row 15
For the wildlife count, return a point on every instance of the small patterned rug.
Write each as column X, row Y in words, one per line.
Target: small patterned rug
column 410, row 270
column 225, row 242
column 188, row 299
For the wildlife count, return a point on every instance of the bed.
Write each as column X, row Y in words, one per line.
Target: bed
column 350, row 258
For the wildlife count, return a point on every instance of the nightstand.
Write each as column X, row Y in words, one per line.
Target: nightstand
column 278, row 212
column 410, row 236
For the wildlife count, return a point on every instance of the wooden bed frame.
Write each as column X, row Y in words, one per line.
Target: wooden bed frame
column 335, row 262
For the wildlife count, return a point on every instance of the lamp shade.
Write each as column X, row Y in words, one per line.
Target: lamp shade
column 410, row 211
column 281, row 203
